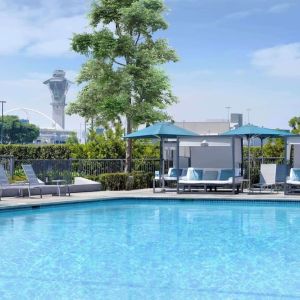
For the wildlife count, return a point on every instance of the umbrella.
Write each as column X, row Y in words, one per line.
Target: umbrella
column 161, row 131
column 249, row 131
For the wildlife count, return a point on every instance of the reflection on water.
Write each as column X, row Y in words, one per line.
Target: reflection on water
column 167, row 250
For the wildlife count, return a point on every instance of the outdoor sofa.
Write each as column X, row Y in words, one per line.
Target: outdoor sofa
column 208, row 178
column 293, row 181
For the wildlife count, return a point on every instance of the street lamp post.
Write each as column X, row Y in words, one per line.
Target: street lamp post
column 2, row 120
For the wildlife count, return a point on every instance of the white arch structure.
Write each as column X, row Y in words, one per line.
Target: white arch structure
column 26, row 110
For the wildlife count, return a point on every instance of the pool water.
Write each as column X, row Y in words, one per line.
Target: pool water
column 148, row 249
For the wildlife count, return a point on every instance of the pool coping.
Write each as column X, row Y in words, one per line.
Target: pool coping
column 10, row 204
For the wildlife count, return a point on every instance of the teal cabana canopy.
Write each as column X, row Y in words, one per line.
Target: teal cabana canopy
column 161, row 130
column 250, row 131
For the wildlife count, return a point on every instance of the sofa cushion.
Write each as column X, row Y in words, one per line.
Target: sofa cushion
column 173, row 172
column 295, row 176
column 196, row 174
column 210, row 175
column 226, row 174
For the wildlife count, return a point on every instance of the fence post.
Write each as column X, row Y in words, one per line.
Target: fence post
column 12, row 166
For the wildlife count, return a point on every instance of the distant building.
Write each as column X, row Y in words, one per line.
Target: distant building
column 213, row 127
column 236, row 120
column 24, row 121
column 59, row 87
column 206, row 128
column 53, row 136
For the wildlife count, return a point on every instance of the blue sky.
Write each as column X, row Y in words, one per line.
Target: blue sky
column 238, row 53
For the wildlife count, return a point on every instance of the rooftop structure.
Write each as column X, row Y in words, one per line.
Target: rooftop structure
column 58, row 86
column 206, row 128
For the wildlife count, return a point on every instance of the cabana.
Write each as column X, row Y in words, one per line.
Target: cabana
column 292, row 162
column 214, row 162
column 162, row 131
column 251, row 131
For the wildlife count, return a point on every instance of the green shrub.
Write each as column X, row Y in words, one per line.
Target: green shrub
column 124, row 181
column 36, row 151
column 114, row 181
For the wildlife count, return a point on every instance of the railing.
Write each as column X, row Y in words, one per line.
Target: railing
column 49, row 169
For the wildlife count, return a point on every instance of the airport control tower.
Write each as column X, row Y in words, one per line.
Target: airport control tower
column 58, row 86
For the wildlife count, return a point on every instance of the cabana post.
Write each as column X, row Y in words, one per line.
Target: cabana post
column 177, row 163
column 233, row 164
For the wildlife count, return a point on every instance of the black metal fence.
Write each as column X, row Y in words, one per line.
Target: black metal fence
column 67, row 169
column 48, row 169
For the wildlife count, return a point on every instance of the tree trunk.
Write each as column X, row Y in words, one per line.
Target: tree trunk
column 128, row 162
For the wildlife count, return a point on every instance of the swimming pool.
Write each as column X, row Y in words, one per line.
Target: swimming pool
column 148, row 249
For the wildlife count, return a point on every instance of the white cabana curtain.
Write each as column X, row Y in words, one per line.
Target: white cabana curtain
column 210, row 152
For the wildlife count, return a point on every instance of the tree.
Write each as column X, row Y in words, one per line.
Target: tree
column 294, row 123
column 72, row 139
column 17, row 132
column 121, row 78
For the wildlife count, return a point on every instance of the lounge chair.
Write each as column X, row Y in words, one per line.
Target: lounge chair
column 35, row 183
column 6, row 185
column 211, row 178
column 293, row 181
column 267, row 178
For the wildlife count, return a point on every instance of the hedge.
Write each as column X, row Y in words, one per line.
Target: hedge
column 124, row 181
column 36, row 151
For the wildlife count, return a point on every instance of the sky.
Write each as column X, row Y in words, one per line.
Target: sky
column 239, row 53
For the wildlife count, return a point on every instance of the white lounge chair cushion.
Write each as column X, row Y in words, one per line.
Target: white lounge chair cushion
column 293, row 182
column 211, row 182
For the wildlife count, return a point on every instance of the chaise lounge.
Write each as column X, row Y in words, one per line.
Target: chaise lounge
column 211, row 178
column 293, row 181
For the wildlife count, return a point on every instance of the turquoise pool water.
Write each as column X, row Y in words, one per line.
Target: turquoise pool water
column 129, row 249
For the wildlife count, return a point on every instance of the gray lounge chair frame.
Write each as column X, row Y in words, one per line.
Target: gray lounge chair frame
column 6, row 185
column 35, row 183
column 267, row 178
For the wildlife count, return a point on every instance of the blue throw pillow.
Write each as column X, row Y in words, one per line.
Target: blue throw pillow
column 197, row 174
column 210, row 175
column 226, row 174
column 174, row 172
column 296, row 175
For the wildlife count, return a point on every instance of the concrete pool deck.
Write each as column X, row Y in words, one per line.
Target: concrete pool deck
column 12, row 203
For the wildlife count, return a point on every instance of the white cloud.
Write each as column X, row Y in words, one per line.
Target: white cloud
column 283, row 60
column 280, row 8
column 275, row 9
column 44, row 29
column 243, row 14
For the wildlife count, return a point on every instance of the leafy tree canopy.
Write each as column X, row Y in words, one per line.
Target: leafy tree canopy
column 294, row 123
column 17, row 132
column 121, row 79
